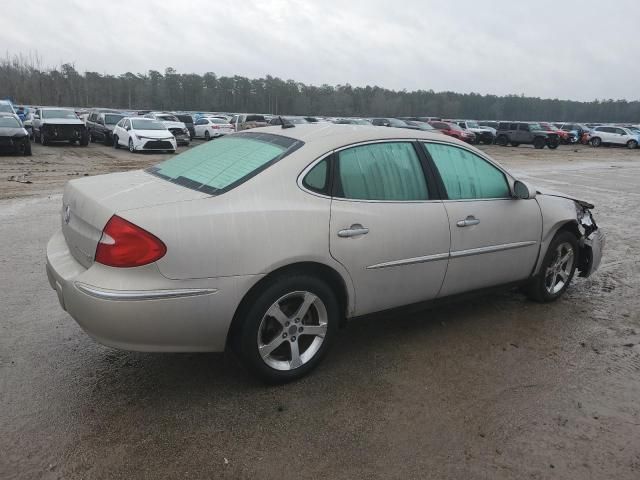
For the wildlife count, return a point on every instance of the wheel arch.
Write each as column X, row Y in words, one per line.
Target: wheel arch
column 566, row 225
column 331, row 276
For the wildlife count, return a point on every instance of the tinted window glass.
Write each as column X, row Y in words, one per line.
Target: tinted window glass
column 217, row 166
column 513, row 126
column 524, row 127
column 382, row 171
column 316, row 179
column 503, row 126
column 467, row 176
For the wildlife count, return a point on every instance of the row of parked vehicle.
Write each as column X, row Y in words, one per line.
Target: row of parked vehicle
column 165, row 131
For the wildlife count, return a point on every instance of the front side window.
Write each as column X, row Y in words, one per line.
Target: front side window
column 388, row 171
column 215, row 167
column 466, row 175
column 112, row 119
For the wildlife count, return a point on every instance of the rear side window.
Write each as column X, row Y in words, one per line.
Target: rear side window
column 466, row 175
column 317, row 178
column 381, row 171
column 255, row 118
column 216, row 167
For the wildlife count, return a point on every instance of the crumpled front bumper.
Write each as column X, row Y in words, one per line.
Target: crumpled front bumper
column 591, row 248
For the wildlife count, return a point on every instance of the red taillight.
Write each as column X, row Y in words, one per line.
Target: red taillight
column 124, row 244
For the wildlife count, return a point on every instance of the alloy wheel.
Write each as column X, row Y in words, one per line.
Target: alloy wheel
column 559, row 271
column 292, row 330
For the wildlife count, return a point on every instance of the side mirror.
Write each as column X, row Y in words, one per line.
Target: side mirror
column 127, row 128
column 523, row 191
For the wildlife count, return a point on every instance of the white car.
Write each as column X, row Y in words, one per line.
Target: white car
column 212, row 127
column 266, row 240
column 143, row 134
column 611, row 135
column 174, row 125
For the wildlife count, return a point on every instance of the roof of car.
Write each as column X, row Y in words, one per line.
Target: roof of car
column 332, row 135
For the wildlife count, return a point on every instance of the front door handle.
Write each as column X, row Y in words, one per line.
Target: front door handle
column 467, row 222
column 353, row 231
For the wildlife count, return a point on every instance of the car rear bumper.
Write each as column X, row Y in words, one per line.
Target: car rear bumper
column 140, row 309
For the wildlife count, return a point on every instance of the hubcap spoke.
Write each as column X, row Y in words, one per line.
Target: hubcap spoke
column 309, row 299
column 265, row 350
column 276, row 312
column 317, row 330
column 296, row 361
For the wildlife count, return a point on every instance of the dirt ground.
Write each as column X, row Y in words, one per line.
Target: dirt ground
column 493, row 387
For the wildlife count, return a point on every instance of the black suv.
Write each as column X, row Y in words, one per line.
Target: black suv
column 188, row 122
column 530, row 133
column 100, row 125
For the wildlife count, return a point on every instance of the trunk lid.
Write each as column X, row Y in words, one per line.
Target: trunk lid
column 89, row 203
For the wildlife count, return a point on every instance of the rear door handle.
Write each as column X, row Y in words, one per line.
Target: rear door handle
column 467, row 222
column 353, row 231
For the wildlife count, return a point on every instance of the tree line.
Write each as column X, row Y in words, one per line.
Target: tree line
column 25, row 81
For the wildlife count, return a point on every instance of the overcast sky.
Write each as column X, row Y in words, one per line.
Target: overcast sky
column 580, row 50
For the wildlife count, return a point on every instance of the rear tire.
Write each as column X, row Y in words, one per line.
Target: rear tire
column 502, row 140
column 553, row 144
column 596, row 142
column 557, row 269
column 275, row 343
column 207, row 136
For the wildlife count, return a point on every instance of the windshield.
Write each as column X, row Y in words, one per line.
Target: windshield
column 472, row 124
column 112, row 119
column 10, row 122
column 535, row 126
column 218, row 166
column 147, row 125
column 167, row 118
column 218, row 120
column 397, row 123
column 59, row 113
column 5, row 107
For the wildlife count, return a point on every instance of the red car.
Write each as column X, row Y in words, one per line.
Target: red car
column 565, row 137
column 455, row 131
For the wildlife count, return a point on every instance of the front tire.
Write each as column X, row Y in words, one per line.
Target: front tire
column 632, row 144
column 288, row 328
column 132, row 148
column 596, row 142
column 502, row 140
column 557, row 269
column 116, row 145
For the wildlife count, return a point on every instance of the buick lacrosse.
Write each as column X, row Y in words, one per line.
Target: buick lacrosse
column 266, row 240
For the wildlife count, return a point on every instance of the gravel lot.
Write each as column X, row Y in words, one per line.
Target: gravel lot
column 491, row 387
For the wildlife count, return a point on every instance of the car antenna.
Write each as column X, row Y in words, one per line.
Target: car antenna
column 285, row 123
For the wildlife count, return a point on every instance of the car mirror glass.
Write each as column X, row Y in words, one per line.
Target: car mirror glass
column 523, row 191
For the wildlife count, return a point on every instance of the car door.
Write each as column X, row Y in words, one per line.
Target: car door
column 523, row 135
column 197, row 127
column 619, row 136
column 495, row 239
column 388, row 227
column 123, row 136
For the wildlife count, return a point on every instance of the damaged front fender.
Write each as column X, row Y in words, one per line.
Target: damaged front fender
column 592, row 240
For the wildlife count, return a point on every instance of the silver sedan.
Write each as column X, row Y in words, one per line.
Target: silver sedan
column 266, row 240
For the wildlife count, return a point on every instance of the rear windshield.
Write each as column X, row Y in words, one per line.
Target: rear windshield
column 255, row 118
column 216, row 167
column 110, row 119
column 66, row 114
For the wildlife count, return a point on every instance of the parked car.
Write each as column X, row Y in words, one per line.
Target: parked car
column 52, row 124
column 246, row 121
column 288, row 119
column 188, row 122
column 610, row 135
column 484, row 134
column 14, row 138
column 352, row 121
column 176, row 127
column 421, row 125
column 577, row 129
column 392, row 122
column 100, row 126
column 211, row 127
column 455, row 131
column 565, row 137
column 140, row 134
column 525, row 133
column 6, row 107
column 173, row 258
column 489, row 123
